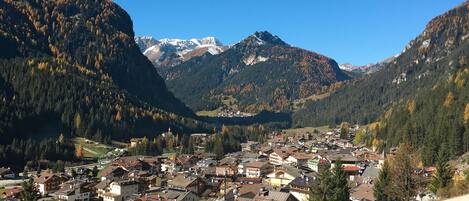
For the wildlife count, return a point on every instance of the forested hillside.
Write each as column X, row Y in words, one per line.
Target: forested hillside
column 424, row 62
column 421, row 97
column 261, row 72
column 72, row 67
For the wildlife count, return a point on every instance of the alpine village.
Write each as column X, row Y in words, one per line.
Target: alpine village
column 91, row 111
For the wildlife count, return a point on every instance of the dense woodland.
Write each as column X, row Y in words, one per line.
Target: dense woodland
column 72, row 67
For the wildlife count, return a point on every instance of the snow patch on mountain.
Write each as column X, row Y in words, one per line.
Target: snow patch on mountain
column 168, row 52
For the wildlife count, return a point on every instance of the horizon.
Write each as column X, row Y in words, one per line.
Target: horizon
column 359, row 33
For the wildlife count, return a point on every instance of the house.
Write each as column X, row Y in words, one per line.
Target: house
column 111, row 172
column 266, row 195
column 135, row 141
column 278, row 157
column 208, row 162
column 226, row 170
column 352, row 171
column 48, row 182
column 315, row 163
column 74, row 190
column 12, row 193
column 282, row 176
column 249, row 146
column 299, row 187
column 168, row 196
column 257, row 169
column 298, row 159
column 6, row 173
column 187, row 183
column 120, row 190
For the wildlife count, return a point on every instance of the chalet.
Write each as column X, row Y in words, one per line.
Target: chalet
column 135, row 141
column 6, row 173
column 299, row 187
column 226, row 170
column 282, row 176
column 73, row 190
column 48, row 183
column 266, row 195
column 315, row 163
column 298, row 159
column 187, row 183
column 257, row 169
column 249, row 146
column 11, row 193
column 111, row 172
column 120, row 190
column 278, row 157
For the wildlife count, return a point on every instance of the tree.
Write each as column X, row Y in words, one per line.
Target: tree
column 332, row 186
column 29, row 192
column 444, row 173
column 190, row 146
column 341, row 189
column 79, row 151
column 95, row 171
column 324, row 190
column 218, row 147
column 380, row 189
column 403, row 185
column 466, row 114
column 74, row 173
column 344, row 130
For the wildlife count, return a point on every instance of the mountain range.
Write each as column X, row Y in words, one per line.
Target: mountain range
column 261, row 72
column 170, row 52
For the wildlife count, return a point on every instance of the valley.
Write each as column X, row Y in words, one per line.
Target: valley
column 90, row 106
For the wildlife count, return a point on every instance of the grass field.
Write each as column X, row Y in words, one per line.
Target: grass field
column 206, row 113
column 92, row 149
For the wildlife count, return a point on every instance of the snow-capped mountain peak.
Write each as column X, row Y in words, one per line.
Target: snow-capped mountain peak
column 168, row 52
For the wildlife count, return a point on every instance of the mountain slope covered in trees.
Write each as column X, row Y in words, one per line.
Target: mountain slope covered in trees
column 73, row 67
column 259, row 73
column 425, row 61
column 421, row 97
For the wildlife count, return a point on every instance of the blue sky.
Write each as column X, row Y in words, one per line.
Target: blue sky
column 355, row 31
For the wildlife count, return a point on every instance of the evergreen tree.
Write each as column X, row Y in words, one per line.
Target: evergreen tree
column 218, row 148
column 324, row 190
column 190, row 146
column 443, row 175
column 29, row 192
column 95, row 171
column 380, row 189
column 340, row 183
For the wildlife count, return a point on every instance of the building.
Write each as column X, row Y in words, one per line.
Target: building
column 135, row 141
column 278, row 157
column 282, row 176
column 266, row 195
column 299, row 187
column 6, row 173
column 187, row 183
column 73, row 191
column 257, row 169
column 48, row 183
column 111, row 172
column 120, row 190
column 226, row 170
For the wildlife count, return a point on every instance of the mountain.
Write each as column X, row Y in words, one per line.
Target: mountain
column 73, row 67
column 368, row 68
column 170, row 52
column 261, row 72
column 419, row 97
